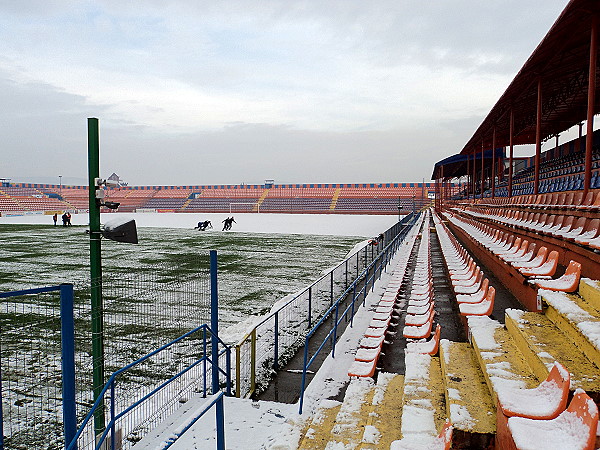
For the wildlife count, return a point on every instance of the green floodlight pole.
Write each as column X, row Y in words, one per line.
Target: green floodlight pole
column 96, row 271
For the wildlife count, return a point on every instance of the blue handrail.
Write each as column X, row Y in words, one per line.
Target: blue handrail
column 217, row 400
column 111, row 381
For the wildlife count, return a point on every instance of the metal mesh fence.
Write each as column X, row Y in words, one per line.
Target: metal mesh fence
column 31, row 371
column 147, row 307
column 144, row 308
column 277, row 338
column 143, row 394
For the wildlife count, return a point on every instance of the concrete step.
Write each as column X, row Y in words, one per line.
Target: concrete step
column 424, row 402
column 590, row 291
column 347, row 427
column 469, row 404
column 499, row 357
column 577, row 318
column 385, row 418
column 542, row 343
column 317, row 433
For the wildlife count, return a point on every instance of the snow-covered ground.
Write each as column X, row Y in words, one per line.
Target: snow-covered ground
column 251, row 425
column 323, row 224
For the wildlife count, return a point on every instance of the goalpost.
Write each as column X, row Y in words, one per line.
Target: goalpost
column 253, row 204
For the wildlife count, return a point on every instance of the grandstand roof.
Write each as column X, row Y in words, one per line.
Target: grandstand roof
column 458, row 165
column 561, row 61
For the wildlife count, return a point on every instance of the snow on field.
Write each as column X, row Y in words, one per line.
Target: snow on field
column 323, row 224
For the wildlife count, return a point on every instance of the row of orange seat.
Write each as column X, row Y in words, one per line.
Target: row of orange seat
column 574, row 200
column 369, row 347
column 580, row 230
column 419, row 313
column 420, row 302
column 472, row 291
column 520, row 254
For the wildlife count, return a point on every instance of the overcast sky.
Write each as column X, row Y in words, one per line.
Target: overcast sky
column 226, row 92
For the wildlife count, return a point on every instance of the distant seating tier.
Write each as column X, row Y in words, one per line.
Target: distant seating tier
column 389, row 198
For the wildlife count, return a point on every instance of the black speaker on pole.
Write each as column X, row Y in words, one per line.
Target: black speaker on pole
column 121, row 231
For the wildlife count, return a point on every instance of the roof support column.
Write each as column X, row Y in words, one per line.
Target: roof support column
column 482, row 171
column 510, row 158
column 589, row 138
column 442, row 196
column 538, row 139
column 494, row 162
column 474, row 176
column 468, row 174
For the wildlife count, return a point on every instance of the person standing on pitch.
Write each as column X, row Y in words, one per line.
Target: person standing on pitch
column 231, row 221
column 55, row 218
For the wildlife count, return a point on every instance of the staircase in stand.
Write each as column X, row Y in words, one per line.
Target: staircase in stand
column 334, row 199
column 256, row 207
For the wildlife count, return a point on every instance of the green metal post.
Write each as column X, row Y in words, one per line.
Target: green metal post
column 96, row 271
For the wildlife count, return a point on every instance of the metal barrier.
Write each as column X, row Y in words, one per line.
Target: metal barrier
column 370, row 275
column 277, row 337
column 38, row 368
column 142, row 394
column 217, row 401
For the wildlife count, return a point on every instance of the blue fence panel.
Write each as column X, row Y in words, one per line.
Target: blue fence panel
column 37, row 368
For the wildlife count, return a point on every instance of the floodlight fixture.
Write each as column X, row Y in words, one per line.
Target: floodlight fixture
column 110, row 205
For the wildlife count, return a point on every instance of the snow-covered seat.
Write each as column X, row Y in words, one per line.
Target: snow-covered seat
column 569, row 282
column 539, row 259
column 469, row 289
column 546, row 401
column 363, row 368
column 477, row 296
column 545, row 270
column 527, row 256
column 512, row 250
column 468, row 282
column 483, row 308
column 420, row 309
column 429, row 347
column 416, row 320
column 592, row 231
column 574, row 428
column 418, row 332
column 576, row 229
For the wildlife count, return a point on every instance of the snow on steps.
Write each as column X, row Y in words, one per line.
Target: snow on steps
column 346, row 428
column 499, row 358
column 577, row 316
column 542, row 343
column 469, row 403
column 424, row 409
column 590, row 291
column 368, row 418
column 385, row 418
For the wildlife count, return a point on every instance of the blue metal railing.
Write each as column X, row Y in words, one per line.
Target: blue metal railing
column 109, row 388
column 217, row 401
column 279, row 334
column 370, row 274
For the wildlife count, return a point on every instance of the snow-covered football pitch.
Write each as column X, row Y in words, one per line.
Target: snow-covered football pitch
column 263, row 258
